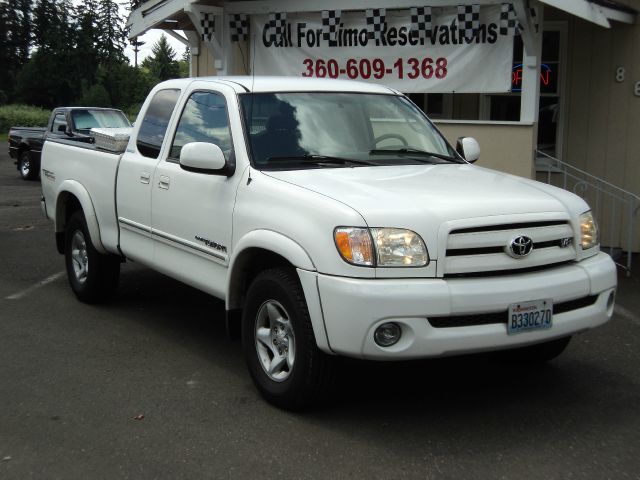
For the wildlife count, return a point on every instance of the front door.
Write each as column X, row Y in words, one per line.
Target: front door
column 192, row 212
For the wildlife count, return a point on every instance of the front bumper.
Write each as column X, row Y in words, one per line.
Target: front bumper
column 353, row 308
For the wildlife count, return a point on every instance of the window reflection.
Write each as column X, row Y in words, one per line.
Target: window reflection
column 155, row 122
column 204, row 119
column 335, row 124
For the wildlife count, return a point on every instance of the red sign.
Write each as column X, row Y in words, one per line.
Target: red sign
column 546, row 77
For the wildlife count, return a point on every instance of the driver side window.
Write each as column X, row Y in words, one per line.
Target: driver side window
column 204, row 119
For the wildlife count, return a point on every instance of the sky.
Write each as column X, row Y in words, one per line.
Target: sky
column 151, row 37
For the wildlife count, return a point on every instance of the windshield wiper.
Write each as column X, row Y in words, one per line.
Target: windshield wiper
column 318, row 159
column 413, row 151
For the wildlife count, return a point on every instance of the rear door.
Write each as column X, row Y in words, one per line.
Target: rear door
column 135, row 173
column 192, row 212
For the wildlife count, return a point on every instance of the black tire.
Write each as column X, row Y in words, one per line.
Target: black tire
column 311, row 372
column 93, row 277
column 539, row 353
column 26, row 167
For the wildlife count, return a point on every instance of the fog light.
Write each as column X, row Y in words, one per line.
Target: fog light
column 610, row 300
column 387, row 334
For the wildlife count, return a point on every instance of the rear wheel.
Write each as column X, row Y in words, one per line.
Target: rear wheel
column 93, row 276
column 26, row 167
column 278, row 342
column 539, row 353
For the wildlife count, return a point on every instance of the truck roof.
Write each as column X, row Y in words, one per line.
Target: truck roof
column 261, row 83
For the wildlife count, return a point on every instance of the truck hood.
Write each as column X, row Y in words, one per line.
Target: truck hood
column 421, row 197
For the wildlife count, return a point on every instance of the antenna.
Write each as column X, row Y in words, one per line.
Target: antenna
column 253, row 66
column 253, row 82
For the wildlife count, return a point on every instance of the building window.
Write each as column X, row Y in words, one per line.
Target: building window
column 506, row 107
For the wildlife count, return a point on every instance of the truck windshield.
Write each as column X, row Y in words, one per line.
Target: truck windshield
column 324, row 129
column 85, row 120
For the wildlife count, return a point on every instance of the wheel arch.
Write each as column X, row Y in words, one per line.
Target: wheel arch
column 258, row 251
column 71, row 197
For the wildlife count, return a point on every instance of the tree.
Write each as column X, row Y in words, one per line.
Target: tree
column 96, row 96
column 87, row 38
column 5, row 55
column 15, row 28
column 162, row 64
column 23, row 31
column 45, row 81
column 185, row 63
column 111, row 31
column 45, row 25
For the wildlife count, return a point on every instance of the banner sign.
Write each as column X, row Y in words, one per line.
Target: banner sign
column 449, row 49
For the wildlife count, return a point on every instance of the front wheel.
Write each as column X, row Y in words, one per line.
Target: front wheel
column 278, row 342
column 93, row 276
column 26, row 166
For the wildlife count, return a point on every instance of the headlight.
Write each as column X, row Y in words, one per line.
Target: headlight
column 399, row 248
column 588, row 231
column 382, row 247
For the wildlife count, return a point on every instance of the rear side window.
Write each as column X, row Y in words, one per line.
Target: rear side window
column 59, row 120
column 204, row 119
column 155, row 121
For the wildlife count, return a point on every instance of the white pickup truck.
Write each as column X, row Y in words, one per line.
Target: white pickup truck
column 334, row 219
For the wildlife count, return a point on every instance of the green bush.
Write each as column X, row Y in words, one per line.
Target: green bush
column 132, row 112
column 22, row 116
column 96, row 96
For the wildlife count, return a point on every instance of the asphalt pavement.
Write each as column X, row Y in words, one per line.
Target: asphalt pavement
column 148, row 386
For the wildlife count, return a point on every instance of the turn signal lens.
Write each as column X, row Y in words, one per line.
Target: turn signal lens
column 588, row 231
column 355, row 245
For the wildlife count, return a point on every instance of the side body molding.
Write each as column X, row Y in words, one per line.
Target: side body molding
column 76, row 189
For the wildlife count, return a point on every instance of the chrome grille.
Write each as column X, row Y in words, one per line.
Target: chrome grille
column 479, row 250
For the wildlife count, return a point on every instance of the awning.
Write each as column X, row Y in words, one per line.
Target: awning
column 598, row 12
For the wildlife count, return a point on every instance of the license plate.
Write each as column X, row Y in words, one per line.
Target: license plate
column 526, row 316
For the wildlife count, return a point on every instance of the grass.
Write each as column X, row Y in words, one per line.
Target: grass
column 22, row 116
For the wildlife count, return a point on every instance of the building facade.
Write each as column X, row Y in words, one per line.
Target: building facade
column 535, row 82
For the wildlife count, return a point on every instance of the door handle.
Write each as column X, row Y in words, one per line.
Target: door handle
column 164, row 182
column 145, row 177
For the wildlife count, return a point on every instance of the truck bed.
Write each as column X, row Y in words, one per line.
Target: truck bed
column 28, row 129
column 31, row 136
column 88, row 168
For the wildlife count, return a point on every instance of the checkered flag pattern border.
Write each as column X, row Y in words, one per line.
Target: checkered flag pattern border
column 421, row 21
column 239, row 27
column 330, row 24
column 508, row 20
column 208, row 24
column 277, row 25
column 376, row 23
column 469, row 20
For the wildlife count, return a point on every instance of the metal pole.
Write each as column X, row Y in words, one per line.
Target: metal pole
column 632, row 205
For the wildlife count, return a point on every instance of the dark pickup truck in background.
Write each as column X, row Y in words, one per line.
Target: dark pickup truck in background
column 71, row 123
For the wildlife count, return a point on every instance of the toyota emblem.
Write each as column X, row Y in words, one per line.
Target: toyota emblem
column 520, row 246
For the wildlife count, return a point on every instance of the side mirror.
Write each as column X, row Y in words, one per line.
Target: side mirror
column 202, row 157
column 62, row 128
column 469, row 148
